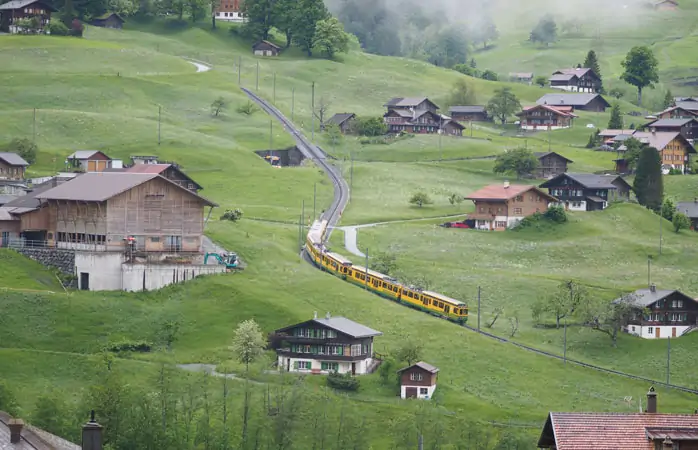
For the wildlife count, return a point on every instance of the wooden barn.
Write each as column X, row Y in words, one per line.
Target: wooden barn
column 109, row 20
column 265, row 48
column 16, row 10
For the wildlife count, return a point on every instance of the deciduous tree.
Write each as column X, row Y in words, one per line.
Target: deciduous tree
column 640, row 67
column 520, row 161
column 420, row 199
column 284, row 14
column 503, row 104
column 545, row 31
column 681, row 222
column 410, row 352
column 260, row 18
column 648, row 184
column 484, row 31
column 310, row 12
column 330, row 37
column 616, row 121
column 24, row 148
column 371, row 126
column 563, row 303
column 248, row 343
column 668, row 209
column 218, row 106
column 541, row 80
column 462, row 93
column 384, row 262
column 610, row 317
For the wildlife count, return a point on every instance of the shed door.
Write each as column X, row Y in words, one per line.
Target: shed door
column 91, row 166
column 656, row 332
column 101, row 165
column 673, row 332
column 411, row 392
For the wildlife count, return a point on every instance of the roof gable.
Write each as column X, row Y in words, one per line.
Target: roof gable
column 160, row 169
column 503, row 192
column 87, row 154
column 643, row 298
column 341, row 325
column 340, row 118
column 582, row 99
column 17, row 4
column 661, row 139
column 541, row 155
column 563, row 111
column 408, row 102
column 587, row 180
column 107, row 15
column 420, row 365
column 13, row 159
column 271, row 44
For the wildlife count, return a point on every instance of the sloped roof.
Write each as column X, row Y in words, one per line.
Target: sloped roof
column 107, row 15
column 85, row 154
column 611, row 431
column 564, row 111
column 613, row 133
column 32, row 438
column 661, row 139
column 688, row 208
column 340, row 118
column 29, row 202
column 503, row 192
column 588, row 180
column 521, row 74
column 159, row 169
column 407, row 102
column 582, row 99
column 13, row 159
column 540, row 155
column 562, row 77
column 578, row 71
column 348, row 327
column 422, row 365
column 645, row 297
column 689, row 106
column 673, row 108
column 266, row 42
column 669, row 122
column 467, row 109
column 17, row 4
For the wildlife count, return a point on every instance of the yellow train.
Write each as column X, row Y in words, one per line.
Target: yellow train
column 383, row 285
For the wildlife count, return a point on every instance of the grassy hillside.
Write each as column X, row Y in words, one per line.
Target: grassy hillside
column 20, row 273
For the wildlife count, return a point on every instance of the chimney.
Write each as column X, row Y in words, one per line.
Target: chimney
column 15, row 426
column 315, row 315
column 653, row 287
column 92, row 434
column 327, row 316
column 651, row 401
column 667, row 444
column 506, row 184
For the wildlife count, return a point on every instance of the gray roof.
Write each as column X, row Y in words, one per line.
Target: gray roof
column 521, row 74
column 690, row 106
column 567, row 99
column 588, row 180
column 4, row 198
column 84, row 154
column 349, row 327
column 101, row 186
column 669, row 122
column 406, row 102
column 13, row 159
column 30, row 202
column 17, row 4
column 688, row 208
column 645, row 297
column 422, row 365
column 32, row 438
column 562, row 77
column 340, row 118
column 466, row 109
column 544, row 154
column 578, row 71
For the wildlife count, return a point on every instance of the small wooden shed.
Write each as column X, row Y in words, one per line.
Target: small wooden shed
column 109, row 20
column 418, row 380
column 265, row 48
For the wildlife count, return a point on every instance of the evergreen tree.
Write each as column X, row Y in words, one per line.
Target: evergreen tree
column 616, row 122
column 592, row 62
column 304, row 24
column 668, row 99
column 648, row 184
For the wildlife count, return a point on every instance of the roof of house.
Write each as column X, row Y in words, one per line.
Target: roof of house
column 422, row 365
column 669, row 122
column 673, row 108
column 13, row 159
column 454, row 123
column 614, row 431
column 407, row 102
column 17, row 4
column 564, row 111
column 467, row 109
column 688, row 105
column 645, row 297
column 107, row 15
column 540, row 155
column 343, row 325
column 521, row 74
column 101, row 186
column 562, row 77
column 266, row 42
column 578, row 71
column 29, row 202
column 504, row 192
column 661, row 139
column 614, row 133
column 85, row 154
column 569, row 99
column 32, row 438
column 688, row 208
column 156, row 168
column 340, row 118
column 685, row 99
column 588, row 180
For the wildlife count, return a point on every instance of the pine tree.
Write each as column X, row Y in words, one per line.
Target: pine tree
column 616, row 122
column 648, row 185
column 668, row 99
column 592, row 62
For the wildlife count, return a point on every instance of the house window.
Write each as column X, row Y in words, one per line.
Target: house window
column 518, row 211
column 330, row 366
column 423, row 391
column 415, row 376
column 650, row 330
column 519, row 198
column 356, row 350
column 500, row 224
column 677, row 303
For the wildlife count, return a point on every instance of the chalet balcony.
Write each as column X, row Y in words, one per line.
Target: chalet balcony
column 323, row 356
column 312, row 340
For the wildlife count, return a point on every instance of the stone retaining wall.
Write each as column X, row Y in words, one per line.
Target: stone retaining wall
column 63, row 260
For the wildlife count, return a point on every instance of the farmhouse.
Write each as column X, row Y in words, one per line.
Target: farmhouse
column 673, row 147
column 417, row 115
column 586, row 191
column 450, row 126
column 551, row 164
column 691, row 211
column 620, row 431
column 677, row 112
column 265, row 48
column 502, row 206
column 88, row 161
column 169, row 171
column 665, row 5
column 344, row 121
column 330, row 344
column 688, row 127
column 545, row 117
column 11, row 13
column 12, row 166
column 418, row 380
column 575, row 80
column 109, row 20
column 661, row 313
column 230, row 11
column 584, row 102
column 472, row 113
column 521, row 77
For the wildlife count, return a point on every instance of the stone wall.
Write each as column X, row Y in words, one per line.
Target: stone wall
column 287, row 157
column 63, row 260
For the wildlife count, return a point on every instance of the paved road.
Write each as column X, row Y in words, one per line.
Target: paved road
column 200, row 67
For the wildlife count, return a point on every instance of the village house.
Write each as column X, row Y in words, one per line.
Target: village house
column 416, row 115
column 11, row 13
column 676, row 112
column 521, row 77
column 687, row 127
column 418, row 381
column 665, row 5
column 230, row 11
column 450, row 127
column 587, row 191
column 324, row 345
column 265, row 48
column 545, row 117
column 620, row 431
column 109, row 20
column 575, row 80
column 551, row 164
column 691, row 211
column 502, row 206
column 608, row 136
column 90, row 161
column 584, row 102
column 660, row 313
column 169, row 171
column 144, row 159
column 344, row 121
column 471, row 113
column 673, row 147
column 12, row 166
column 15, row 434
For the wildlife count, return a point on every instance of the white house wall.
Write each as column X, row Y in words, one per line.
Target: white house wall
column 316, row 364
column 665, row 331
column 230, row 17
column 428, row 395
column 542, row 127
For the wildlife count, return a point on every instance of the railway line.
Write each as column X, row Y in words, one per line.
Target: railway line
column 341, row 198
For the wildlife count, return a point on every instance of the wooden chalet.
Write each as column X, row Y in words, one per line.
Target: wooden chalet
column 109, row 20
column 579, row 79
column 88, row 161
column 688, row 127
column 418, row 115
column 14, row 11
column 12, row 166
column 521, row 77
column 584, row 102
column 169, row 171
column 546, row 117
column 230, row 11
column 691, row 211
column 324, row 345
column 551, row 164
column 673, row 147
column 265, row 48
column 586, row 191
column 677, row 112
column 647, row 430
column 418, row 380
column 502, row 206
column 469, row 113
column 661, row 313
column 344, row 121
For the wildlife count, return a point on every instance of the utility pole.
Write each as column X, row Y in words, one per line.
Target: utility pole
column 293, row 101
column 471, row 128
column 257, row 82
column 549, row 129
column 271, row 134
column 273, row 98
column 649, row 263
column 660, row 233
column 366, row 283
column 351, row 172
column 421, row 442
column 312, row 112
column 668, row 358
column 478, row 308
column 564, row 354
column 34, row 126
column 440, row 132
column 303, row 214
column 300, row 235
column 239, row 68
column 159, row 123
column 314, row 198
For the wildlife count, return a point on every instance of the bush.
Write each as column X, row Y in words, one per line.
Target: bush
column 58, row 28
column 232, row 215
column 248, row 108
column 387, row 373
column 343, row 382
column 24, row 148
column 371, row 126
column 556, row 214
column 420, row 199
column 489, row 75
column 129, row 346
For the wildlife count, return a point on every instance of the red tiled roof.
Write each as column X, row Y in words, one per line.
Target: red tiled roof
column 613, row 431
column 500, row 192
column 148, row 168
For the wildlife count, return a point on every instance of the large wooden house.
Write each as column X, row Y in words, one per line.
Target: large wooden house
column 688, row 127
column 12, row 166
column 470, row 113
column 579, row 79
column 418, row 115
column 545, row 117
column 324, row 345
column 672, row 146
column 230, row 11
column 586, row 191
column 677, row 112
column 584, row 102
column 661, row 313
column 502, row 206
column 551, row 164
column 418, row 380
column 12, row 12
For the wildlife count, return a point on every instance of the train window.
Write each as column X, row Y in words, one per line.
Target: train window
column 385, row 284
column 447, row 309
column 351, row 273
column 395, row 288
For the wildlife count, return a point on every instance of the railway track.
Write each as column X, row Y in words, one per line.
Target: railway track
column 341, row 198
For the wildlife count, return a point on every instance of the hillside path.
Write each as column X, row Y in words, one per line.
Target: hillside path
column 350, row 232
column 200, row 67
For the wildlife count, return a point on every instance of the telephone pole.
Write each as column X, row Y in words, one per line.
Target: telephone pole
column 478, row 308
column 314, row 198
column 312, row 112
column 256, row 87
column 293, row 101
column 34, row 126
column 668, row 358
column 649, row 264
column 239, row 68
column 366, row 283
column 159, row 123
column 660, row 233
column 271, row 134
column 351, row 172
column 273, row 98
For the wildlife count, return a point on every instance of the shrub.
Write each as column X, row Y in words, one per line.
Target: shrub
column 387, row 373
column 556, row 214
column 24, row 148
column 371, row 126
column 420, row 199
column 681, row 221
column 232, row 215
column 58, row 28
column 248, row 108
column 489, row 75
column 342, row 382
column 129, row 346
